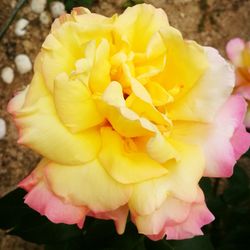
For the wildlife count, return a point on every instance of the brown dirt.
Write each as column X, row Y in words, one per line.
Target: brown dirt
column 210, row 22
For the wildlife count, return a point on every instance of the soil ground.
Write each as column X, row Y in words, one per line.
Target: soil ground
column 209, row 22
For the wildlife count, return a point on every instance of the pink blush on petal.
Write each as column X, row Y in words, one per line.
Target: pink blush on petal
column 176, row 219
column 46, row 203
column 234, row 48
column 28, row 183
column 199, row 216
column 229, row 138
column 240, row 141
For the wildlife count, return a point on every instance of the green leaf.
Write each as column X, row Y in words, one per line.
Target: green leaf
column 130, row 240
column 214, row 202
column 73, row 244
column 196, row 243
column 39, row 229
column 238, row 187
column 130, row 3
column 70, row 4
column 158, row 245
column 108, row 239
column 23, row 221
column 12, row 209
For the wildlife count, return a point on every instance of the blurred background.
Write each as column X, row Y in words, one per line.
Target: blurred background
column 209, row 22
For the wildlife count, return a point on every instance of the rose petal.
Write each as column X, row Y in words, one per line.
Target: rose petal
column 234, row 48
column 125, row 165
column 75, row 105
column 203, row 101
column 87, row 185
column 141, row 17
column 41, row 130
column 223, row 141
column 46, row 203
column 181, row 181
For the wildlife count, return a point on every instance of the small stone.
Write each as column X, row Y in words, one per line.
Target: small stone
column 2, row 128
column 23, row 63
column 38, row 6
column 182, row 14
column 7, row 75
column 45, row 18
column 28, row 45
column 20, row 26
column 57, row 8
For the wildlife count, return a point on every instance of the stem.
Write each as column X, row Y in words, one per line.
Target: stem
column 8, row 22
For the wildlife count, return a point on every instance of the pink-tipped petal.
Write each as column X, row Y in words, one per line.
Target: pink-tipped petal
column 176, row 219
column 80, row 224
column 240, row 141
column 199, row 216
column 230, row 130
column 231, row 117
column 17, row 102
column 221, row 140
column 36, row 175
column 46, row 203
column 28, row 182
column 234, row 48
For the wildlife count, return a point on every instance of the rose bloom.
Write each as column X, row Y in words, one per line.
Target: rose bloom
column 238, row 52
column 128, row 117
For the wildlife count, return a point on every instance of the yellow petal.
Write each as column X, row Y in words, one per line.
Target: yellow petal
column 126, row 122
column 125, row 166
column 209, row 93
column 160, row 149
column 95, row 27
column 185, row 175
column 151, row 62
column 69, row 37
column 158, row 94
column 75, row 105
column 37, row 89
column 147, row 110
column 56, row 58
column 185, row 62
column 67, row 43
column 150, row 68
column 100, row 72
column 88, row 185
column 139, row 90
column 42, row 130
column 181, row 181
column 140, row 101
column 137, row 25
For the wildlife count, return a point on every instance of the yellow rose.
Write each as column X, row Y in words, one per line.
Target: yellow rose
column 128, row 117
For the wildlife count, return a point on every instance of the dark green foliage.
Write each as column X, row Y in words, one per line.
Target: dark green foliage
column 231, row 207
column 12, row 209
column 197, row 243
column 70, row 4
column 130, row 3
column 18, row 219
